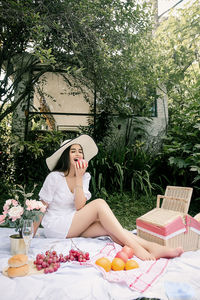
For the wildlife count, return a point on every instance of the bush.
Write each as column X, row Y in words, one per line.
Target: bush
column 30, row 156
column 122, row 168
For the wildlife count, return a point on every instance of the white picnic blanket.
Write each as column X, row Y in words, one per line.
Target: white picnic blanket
column 173, row 279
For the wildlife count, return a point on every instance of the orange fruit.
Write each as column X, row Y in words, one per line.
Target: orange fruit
column 131, row 264
column 104, row 262
column 117, row 264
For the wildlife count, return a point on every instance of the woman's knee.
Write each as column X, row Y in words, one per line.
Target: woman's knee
column 100, row 202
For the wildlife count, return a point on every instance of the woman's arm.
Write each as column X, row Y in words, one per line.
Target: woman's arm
column 36, row 224
column 46, row 193
column 80, row 198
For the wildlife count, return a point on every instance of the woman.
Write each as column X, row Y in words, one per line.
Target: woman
column 65, row 193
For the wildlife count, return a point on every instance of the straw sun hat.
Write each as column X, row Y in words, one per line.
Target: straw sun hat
column 87, row 143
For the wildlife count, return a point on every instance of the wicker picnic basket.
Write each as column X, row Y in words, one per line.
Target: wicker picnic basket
column 170, row 224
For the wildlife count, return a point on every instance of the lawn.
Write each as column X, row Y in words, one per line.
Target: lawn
column 127, row 208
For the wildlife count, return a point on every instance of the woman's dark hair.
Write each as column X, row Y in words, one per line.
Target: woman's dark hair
column 63, row 163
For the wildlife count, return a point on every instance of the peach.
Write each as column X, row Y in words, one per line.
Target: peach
column 129, row 251
column 122, row 255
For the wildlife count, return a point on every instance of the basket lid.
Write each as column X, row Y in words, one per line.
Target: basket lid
column 161, row 217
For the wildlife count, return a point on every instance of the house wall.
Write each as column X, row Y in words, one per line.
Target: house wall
column 159, row 123
column 61, row 101
column 58, row 99
column 151, row 129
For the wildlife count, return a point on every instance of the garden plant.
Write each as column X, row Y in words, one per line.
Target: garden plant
column 123, row 70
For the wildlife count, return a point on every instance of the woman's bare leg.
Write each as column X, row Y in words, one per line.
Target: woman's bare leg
column 96, row 230
column 157, row 250
column 98, row 210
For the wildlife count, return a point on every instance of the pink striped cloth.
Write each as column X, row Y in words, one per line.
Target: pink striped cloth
column 139, row 279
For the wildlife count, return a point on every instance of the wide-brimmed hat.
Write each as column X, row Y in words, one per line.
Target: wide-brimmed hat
column 87, row 143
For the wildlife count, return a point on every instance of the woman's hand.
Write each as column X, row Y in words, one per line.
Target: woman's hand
column 80, row 167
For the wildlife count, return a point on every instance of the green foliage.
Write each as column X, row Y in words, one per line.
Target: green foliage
column 23, row 162
column 6, row 160
column 122, row 168
column 177, row 41
column 98, row 44
column 181, row 149
column 30, row 156
column 127, row 207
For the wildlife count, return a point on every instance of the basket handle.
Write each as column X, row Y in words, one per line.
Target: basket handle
column 169, row 198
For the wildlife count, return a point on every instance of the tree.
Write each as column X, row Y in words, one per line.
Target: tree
column 178, row 42
column 18, row 20
column 94, row 42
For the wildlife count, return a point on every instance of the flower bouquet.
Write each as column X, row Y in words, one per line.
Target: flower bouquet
column 14, row 213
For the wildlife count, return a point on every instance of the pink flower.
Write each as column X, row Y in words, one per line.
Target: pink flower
column 5, row 212
column 15, row 202
column 15, row 212
column 6, row 207
column 2, row 219
column 31, row 204
column 9, row 201
column 43, row 208
column 34, row 204
column 28, row 205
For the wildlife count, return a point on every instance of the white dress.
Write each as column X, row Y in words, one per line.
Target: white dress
column 61, row 209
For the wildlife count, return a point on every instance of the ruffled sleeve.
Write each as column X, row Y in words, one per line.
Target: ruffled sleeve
column 86, row 183
column 48, row 189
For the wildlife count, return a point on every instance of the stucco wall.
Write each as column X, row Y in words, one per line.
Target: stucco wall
column 158, row 124
column 60, row 101
column 151, row 129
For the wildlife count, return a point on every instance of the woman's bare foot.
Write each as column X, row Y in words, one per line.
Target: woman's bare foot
column 159, row 251
column 173, row 252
